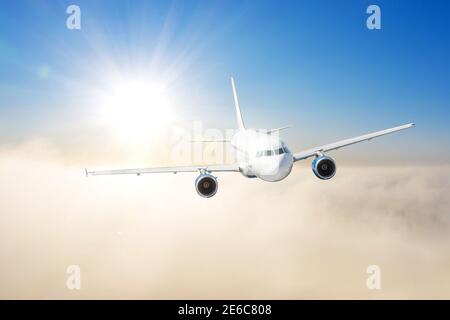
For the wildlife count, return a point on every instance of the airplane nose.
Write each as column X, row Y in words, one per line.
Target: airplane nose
column 287, row 161
column 277, row 168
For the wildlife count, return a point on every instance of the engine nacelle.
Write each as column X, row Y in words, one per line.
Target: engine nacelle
column 324, row 167
column 206, row 185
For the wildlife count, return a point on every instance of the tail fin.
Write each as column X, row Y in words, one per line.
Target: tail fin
column 238, row 108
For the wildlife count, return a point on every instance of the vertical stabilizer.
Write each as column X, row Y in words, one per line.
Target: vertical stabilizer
column 238, row 108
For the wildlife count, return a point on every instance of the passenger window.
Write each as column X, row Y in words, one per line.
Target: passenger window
column 268, row 153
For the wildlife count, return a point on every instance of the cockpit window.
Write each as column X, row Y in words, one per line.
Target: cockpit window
column 279, row 151
column 268, row 153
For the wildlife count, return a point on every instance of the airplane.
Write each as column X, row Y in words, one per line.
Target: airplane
column 259, row 154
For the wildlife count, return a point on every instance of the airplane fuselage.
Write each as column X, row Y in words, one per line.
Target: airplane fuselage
column 262, row 155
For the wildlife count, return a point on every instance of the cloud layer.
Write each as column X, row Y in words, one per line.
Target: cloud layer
column 153, row 237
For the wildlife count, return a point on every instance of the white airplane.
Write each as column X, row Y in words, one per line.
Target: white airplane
column 259, row 154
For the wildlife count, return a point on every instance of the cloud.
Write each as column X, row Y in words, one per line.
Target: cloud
column 153, row 237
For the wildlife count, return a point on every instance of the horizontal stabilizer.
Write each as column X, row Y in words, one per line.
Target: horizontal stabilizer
column 270, row 131
column 209, row 140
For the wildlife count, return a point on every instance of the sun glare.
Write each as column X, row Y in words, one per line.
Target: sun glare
column 136, row 111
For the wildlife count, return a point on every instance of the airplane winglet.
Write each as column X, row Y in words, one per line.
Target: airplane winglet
column 86, row 171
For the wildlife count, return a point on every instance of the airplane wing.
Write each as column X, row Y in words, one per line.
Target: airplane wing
column 211, row 168
column 343, row 143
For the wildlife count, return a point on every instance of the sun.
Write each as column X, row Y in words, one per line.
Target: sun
column 136, row 111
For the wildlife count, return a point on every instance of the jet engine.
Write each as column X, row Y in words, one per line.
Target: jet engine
column 206, row 185
column 324, row 167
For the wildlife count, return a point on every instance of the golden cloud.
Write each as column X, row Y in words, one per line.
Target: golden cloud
column 152, row 237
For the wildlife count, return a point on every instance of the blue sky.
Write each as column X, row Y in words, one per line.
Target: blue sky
column 310, row 64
